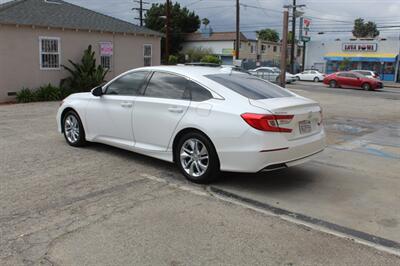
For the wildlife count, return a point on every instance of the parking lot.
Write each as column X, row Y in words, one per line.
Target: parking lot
column 102, row 205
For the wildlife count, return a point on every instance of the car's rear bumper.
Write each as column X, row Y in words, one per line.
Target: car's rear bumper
column 291, row 153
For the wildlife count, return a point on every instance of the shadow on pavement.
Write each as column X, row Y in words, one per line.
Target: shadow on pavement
column 269, row 182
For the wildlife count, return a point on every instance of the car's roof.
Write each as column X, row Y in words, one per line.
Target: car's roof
column 191, row 71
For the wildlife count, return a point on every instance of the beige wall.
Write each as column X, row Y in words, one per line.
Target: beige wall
column 20, row 60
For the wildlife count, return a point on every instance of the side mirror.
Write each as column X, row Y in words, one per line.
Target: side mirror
column 97, row 91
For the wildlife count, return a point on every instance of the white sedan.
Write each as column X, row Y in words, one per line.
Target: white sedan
column 310, row 75
column 205, row 119
column 272, row 74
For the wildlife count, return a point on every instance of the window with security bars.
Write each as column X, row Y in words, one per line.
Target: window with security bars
column 49, row 53
column 147, row 53
column 105, row 61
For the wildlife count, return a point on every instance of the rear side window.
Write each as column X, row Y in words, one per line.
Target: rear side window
column 250, row 86
column 198, row 93
column 165, row 85
column 129, row 84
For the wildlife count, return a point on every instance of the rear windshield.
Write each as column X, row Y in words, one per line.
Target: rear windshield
column 250, row 86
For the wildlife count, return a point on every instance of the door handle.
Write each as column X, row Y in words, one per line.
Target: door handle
column 175, row 109
column 127, row 105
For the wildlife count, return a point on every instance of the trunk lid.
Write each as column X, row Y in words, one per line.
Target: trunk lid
column 307, row 113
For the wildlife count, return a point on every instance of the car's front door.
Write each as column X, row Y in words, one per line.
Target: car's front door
column 305, row 75
column 109, row 117
column 158, row 112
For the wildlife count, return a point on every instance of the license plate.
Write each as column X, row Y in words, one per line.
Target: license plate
column 305, row 126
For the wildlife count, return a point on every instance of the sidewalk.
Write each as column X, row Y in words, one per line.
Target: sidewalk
column 391, row 84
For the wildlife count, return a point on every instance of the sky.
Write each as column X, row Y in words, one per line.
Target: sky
column 333, row 17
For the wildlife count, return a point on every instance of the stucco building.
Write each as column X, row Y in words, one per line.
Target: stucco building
column 377, row 54
column 255, row 51
column 39, row 36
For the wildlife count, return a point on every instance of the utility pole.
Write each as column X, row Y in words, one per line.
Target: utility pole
column 293, row 37
column 282, row 78
column 167, row 30
column 303, row 60
column 141, row 10
column 237, row 44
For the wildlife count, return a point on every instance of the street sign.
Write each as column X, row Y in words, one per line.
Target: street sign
column 304, row 28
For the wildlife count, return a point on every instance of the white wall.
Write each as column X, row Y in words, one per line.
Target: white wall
column 316, row 50
column 215, row 46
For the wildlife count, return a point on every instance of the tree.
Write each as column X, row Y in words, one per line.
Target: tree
column 182, row 21
column 268, row 35
column 344, row 64
column 85, row 75
column 210, row 59
column 196, row 54
column 364, row 30
column 205, row 21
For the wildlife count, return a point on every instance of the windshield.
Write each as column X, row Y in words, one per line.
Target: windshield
column 249, row 86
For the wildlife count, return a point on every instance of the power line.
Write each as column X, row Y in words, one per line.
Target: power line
column 141, row 10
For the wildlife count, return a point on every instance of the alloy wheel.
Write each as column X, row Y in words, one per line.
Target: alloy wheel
column 194, row 157
column 71, row 128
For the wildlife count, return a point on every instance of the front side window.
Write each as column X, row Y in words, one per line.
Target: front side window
column 49, row 48
column 250, row 86
column 165, row 85
column 147, row 53
column 129, row 84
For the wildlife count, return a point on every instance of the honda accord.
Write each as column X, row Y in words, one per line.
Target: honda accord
column 205, row 119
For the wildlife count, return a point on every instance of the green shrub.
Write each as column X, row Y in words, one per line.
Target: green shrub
column 48, row 93
column 172, row 60
column 43, row 93
column 84, row 75
column 196, row 54
column 25, row 96
column 210, row 59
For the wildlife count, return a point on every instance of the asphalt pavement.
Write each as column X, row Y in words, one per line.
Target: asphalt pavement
column 104, row 206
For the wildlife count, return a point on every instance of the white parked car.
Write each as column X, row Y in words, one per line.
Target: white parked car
column 310, row 75
column 271, row 74
column 367, row 73
column 205, row 119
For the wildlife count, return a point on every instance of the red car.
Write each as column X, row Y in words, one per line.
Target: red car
column 350, row 79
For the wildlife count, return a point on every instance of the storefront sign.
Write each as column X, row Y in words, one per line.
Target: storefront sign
column 360, row 47
column 106, row 48
column 227, row 51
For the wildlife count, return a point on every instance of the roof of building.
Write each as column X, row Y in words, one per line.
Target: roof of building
column 215, row 36
column 60, row 14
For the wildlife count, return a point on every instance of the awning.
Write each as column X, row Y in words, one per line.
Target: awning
column 366, row 57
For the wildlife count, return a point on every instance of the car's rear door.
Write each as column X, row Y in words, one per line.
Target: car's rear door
column 157, row 113
column 353, row 80
column 343, row 80
column 109, row 117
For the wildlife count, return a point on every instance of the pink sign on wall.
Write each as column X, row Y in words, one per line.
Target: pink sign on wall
column 106, row 48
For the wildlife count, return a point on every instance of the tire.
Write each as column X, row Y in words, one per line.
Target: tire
column 333, row 84
column 298, row 78
column 193, row 152
column 73, row 130
column 366, row 86
column 316, row 79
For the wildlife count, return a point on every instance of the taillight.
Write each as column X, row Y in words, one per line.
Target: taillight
column 271, row 123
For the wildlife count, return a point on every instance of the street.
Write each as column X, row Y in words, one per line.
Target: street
column 101, row 205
